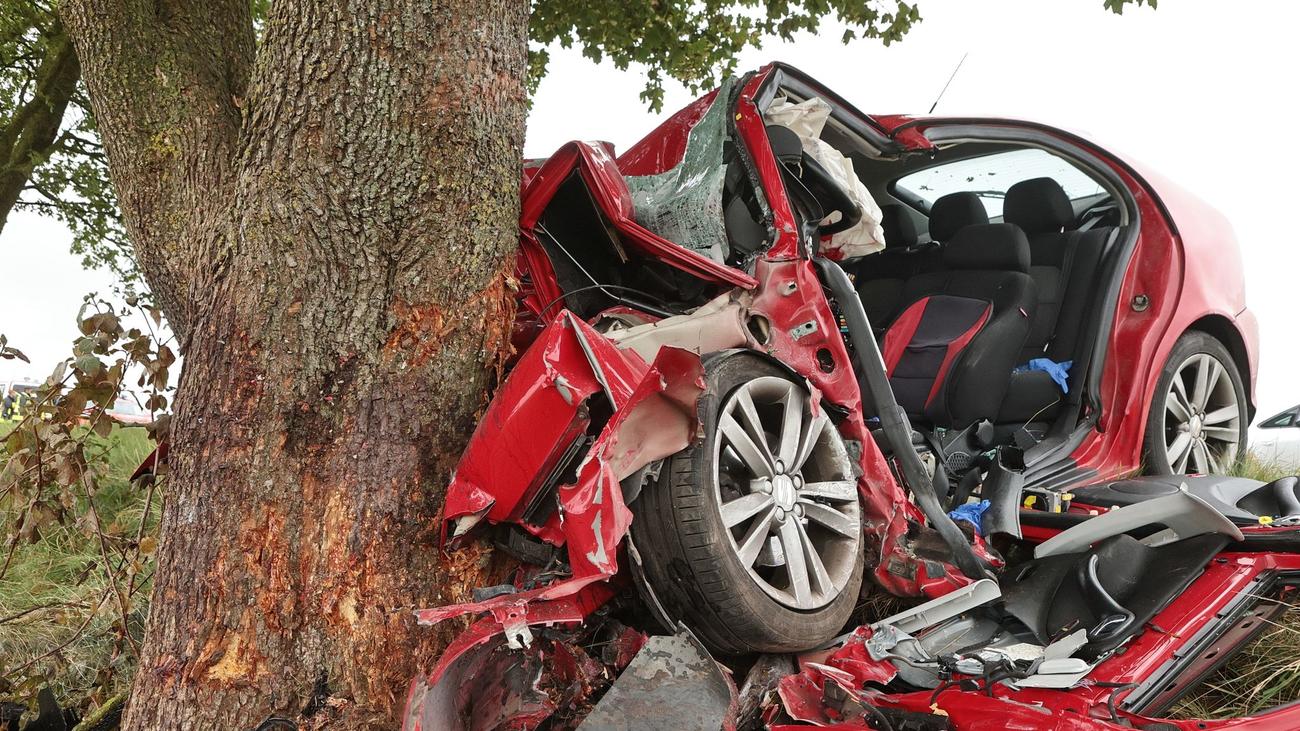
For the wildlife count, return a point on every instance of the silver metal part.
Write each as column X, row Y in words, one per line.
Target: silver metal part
column 672, row 682
column 787, row 476
column 807, row 328
column 1058, row 669
column 1184, row 514
column 1202, row 418
column 946, row 607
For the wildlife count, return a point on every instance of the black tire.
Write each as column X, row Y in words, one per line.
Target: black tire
column 1159, row 428
column 691, row 566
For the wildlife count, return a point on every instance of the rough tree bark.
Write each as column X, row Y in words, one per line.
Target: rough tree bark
column 330, row 227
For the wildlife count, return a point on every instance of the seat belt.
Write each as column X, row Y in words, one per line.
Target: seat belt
column 1067, row 263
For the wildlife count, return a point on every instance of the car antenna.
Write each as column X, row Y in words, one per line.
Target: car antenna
column 950, row 78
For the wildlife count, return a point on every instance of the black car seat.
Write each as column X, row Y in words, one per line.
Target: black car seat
column 1064, row 267
column 953, row 212
column 950, row 353
column 1111, row 590
column 880, row 277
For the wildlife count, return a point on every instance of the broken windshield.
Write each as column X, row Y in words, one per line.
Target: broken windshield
column 684, row 204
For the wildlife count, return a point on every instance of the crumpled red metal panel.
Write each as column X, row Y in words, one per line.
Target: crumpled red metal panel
column 609, row 192
column 527, row 427
column 654, row 417
column 483, row 684
column 803, row 698
column 849, row 666
column 663, row 147
column 536, row 415
column 657, row 420
column 852, row 657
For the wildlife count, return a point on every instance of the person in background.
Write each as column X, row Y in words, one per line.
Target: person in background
column 10, row 401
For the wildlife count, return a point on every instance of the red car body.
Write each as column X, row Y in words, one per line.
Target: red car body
column 1182, row 272
column 1186, row 263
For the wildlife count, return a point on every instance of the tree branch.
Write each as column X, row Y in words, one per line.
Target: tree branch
column 165, row 78
column 32, row 131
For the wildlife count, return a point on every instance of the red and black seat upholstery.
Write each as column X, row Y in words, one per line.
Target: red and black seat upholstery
column 880, row 277
column 950, row 353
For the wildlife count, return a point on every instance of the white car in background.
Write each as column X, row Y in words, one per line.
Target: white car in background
column 1276, row 440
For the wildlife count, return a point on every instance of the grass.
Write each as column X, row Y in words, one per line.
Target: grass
column 1266, row 673
column 52, row 586
column 55, row 585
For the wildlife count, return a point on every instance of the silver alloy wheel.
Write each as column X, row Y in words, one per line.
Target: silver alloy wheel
column 784, row 485
column 1202, row 418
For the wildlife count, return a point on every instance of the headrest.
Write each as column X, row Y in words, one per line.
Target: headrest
column 953, row 212
column 900, row 229
column 1039, row 205
column 786, row 145
column 988, row 246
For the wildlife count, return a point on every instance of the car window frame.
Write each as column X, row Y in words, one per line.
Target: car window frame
column 921, row 205
column 1289, row 414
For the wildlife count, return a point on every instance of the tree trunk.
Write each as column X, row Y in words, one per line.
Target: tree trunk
column 345, row 283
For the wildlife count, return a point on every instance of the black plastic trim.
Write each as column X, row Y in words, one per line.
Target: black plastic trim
column 785, row 76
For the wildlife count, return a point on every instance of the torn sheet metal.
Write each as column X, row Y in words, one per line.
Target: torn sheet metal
column 717, row 325
column 604, row 181
column 536, row 416
column 674, row 681
column 760, row 687
column 495, row 686
column 654, row 418
column 815, row 695
column 848, row 668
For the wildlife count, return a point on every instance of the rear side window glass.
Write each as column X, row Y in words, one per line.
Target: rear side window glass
column 990, row 176
column 1281, row 420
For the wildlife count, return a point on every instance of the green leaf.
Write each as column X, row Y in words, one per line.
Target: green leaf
column 89, row 365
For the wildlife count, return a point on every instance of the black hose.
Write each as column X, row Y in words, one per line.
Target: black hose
column 893, row 420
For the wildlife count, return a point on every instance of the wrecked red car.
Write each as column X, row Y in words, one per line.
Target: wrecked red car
column 749, row 395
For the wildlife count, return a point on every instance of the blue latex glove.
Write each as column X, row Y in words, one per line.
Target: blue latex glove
column 1060, row 372
column 972, row 513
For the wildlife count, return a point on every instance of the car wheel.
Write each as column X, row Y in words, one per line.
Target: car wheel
column 753, row 535
column 1198, row 418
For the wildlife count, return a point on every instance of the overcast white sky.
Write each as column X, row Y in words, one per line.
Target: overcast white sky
column 1200, row 90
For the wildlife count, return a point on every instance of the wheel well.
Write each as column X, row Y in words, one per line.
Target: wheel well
column 1221, row 328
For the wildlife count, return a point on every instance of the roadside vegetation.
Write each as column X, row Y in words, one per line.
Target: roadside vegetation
column 60, row 624
column 1266, row 673
column 77, row 536
column 59, row 618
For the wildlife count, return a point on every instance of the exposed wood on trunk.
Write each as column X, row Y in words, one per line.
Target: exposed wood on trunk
column 341, row 255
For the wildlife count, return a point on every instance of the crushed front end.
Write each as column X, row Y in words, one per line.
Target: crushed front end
column 701, row 469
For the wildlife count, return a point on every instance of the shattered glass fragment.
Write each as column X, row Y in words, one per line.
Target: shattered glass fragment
column 684, row 203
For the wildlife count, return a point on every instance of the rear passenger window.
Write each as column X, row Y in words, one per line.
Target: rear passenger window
column 989, row 177
column 1281, row 420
